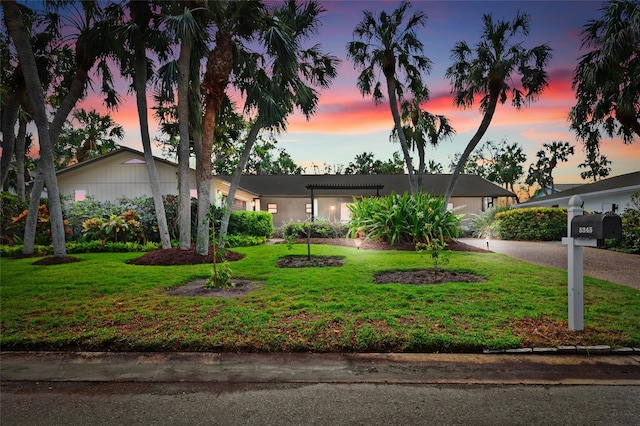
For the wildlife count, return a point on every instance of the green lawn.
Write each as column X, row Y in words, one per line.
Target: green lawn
column 102, row 303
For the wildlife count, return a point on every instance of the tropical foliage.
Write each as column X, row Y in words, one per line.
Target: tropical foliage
column 403, row 219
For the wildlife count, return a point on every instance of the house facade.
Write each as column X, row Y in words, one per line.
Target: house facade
column 123, row 174
column 612, row 194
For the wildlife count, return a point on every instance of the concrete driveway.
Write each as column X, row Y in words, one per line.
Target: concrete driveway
column 616, row 267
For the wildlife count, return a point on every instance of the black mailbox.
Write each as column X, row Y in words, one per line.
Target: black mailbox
column 597, row 226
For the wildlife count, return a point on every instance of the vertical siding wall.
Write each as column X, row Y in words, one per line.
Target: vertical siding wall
column 112, row 178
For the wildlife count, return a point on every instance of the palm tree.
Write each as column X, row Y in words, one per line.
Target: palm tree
column 141, row 35
column 234, row 23
column 390, row 43
column 19, row 35
column 488, row 72
column 606, row 78
column 276, row 92
column 422, row 128
column 182, row 22
column 93, row 42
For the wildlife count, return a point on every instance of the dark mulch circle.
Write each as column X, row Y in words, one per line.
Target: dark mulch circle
column 426, row 276
column 302, row 261
column 195, row 289
column 175, row 256
column 379, row 245
column 56, row 260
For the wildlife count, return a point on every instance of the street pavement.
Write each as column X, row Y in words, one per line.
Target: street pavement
column 43, row 388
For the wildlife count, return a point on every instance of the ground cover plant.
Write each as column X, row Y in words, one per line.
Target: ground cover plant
column 105, row 303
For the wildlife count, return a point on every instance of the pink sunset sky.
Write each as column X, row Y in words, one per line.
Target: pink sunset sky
column 346, row 124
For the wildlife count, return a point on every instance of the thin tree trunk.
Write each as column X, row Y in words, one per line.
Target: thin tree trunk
column 140, row 83
column 9, row 118
column 421, row 165
column 18, row 33
column 21, row 141
column 235, row 180
column 484, row 125
column 184, row 195
column 393, row 104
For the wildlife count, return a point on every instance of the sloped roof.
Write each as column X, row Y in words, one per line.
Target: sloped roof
column 296, row 185
column 629, row 181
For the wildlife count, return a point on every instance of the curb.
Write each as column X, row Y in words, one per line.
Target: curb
column 567, row 350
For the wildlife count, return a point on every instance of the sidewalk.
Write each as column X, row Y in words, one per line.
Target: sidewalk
column 616, row 267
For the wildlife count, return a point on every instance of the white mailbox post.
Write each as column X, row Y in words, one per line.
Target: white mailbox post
column 584, row 231
column 575, row 266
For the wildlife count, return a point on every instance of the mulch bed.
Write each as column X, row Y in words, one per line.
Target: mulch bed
column 377, row 245
column 303, row 261
column 195, row 289
column 175, row 256
column 426, row 276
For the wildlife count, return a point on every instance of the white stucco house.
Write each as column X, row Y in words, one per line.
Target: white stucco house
column 123, row 174
column 607, row 195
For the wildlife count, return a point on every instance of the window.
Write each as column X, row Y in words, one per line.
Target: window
column 79, row 194
column 134, row 161
column 272, row 208
column 240, row 204
column 307, row 208
column 193, row 193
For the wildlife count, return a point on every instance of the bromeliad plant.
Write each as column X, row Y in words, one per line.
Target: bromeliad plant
column 403, row 218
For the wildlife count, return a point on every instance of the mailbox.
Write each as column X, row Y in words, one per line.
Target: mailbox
column 597, row 226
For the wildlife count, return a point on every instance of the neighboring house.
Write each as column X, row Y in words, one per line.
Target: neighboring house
column 559, row 187
column 612, row 194
column 123, row 174
column 288, row 197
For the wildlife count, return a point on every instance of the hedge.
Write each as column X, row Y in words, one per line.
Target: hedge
column 532, row 224
column 257, row 224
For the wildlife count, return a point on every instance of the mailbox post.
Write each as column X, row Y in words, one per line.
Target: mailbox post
column 584, row 231
column 575, row 268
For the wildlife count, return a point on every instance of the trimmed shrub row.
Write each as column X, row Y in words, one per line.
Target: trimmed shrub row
column 532, row 224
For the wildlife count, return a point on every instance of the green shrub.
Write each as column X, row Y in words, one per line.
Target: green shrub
column 317, row 229
column 403, row 218
column 630, row 242
column 532, row 224
column 484, row 224
column 83, row 247
column 238, row 240
column 258, row 224
column 10, row 206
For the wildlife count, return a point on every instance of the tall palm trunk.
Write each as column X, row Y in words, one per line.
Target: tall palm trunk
column 484, row 125
column 21, row 140
column 140, row 84
column 216, row 78
column 18, row 33
column 235, row 180
column 184, row 208
column 9, row 117
column 393, row 104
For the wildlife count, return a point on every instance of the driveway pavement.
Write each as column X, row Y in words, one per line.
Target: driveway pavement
column 616, row 267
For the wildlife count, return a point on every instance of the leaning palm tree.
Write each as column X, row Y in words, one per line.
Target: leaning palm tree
column 422, row 128
column 488, row 71
column 390, row 43
column 93, row 42
column 19, row 35
column 274, row 92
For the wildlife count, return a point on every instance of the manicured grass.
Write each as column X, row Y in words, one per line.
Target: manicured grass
column 102, row 303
